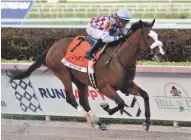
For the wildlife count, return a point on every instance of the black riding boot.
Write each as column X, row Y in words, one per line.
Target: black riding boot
column 89, row 54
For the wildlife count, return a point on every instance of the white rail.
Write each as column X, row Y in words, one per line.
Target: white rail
column 156, row 26
column 44, row 20
column 82, row 22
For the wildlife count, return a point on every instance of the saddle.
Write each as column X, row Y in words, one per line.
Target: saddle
column 75, row 59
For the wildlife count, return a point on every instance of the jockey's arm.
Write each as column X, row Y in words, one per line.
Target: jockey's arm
column 123, row 31
column 106, row 37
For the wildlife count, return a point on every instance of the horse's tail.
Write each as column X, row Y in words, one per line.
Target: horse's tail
column 18, row 74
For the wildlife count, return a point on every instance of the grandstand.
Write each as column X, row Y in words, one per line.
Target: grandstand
column 70, row 13
column 89, row 8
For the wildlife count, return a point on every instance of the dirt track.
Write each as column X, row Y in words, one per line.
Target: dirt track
column 42, row 130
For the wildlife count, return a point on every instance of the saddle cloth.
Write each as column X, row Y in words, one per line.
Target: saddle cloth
column 75, row 54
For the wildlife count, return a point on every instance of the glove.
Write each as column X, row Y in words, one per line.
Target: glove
column 118, row 37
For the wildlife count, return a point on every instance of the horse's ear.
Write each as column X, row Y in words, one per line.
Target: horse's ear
column 152, row 23
column 141, row 22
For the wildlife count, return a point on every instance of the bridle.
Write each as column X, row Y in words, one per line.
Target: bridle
column 134, row 46
column 141, row 35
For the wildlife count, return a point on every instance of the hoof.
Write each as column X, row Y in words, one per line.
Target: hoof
column 105, row 106
column 91, row 124
column 103, row 127
column 146, row 126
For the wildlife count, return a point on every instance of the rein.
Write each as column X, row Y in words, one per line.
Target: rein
column 134, row 46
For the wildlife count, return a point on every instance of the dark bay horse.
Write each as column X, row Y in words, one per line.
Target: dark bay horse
column 118, row 74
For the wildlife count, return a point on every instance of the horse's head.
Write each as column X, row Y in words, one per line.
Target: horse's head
column 143, row 37
column 156, row 46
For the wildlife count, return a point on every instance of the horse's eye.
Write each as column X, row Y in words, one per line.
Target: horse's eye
column 148, row 37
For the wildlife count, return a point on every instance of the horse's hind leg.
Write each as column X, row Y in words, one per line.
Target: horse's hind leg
column 65, row 77
column 136, row 90
column 84, row 102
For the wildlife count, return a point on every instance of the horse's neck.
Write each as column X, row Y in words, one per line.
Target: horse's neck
column 128, row 54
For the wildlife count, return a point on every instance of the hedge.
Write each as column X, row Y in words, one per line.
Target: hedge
column 27, row 44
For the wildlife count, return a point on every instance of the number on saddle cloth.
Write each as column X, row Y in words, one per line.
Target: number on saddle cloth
column 81, row 40
column 89, row 39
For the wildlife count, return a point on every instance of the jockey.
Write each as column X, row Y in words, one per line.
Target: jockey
column 107, row 29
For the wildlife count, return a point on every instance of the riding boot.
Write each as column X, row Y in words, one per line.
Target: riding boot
column 90, row 53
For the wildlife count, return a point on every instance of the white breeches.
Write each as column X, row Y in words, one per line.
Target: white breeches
column 99, row 34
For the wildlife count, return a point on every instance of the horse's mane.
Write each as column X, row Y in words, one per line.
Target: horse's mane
column 136, row 25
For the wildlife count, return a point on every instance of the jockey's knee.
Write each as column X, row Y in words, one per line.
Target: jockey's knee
column 105, row 40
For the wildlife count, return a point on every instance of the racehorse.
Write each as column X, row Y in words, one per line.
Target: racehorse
column 114, row 70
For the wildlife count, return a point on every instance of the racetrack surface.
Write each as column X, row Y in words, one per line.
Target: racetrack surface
column 55, row 130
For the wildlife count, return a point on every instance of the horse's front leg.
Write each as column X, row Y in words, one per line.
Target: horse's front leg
column 113, row 95
column 134, row 89
column 84, row 102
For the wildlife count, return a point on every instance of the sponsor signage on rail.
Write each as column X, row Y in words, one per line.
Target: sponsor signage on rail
column 175, row 97
column 44, row 94
column 15, row 9
column 60, row 93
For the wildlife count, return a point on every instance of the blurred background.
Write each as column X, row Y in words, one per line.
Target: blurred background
column 89, row 8
column 31, row 26
column 72, row 12
column 28, row 27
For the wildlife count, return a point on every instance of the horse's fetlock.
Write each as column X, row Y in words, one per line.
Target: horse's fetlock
column 121, row 105
column 144, row 94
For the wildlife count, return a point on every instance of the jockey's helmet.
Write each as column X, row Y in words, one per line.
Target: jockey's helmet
column 123, row 14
